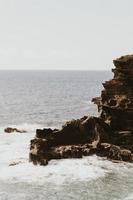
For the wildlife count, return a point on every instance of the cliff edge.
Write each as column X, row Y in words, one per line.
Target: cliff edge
column 109, row 135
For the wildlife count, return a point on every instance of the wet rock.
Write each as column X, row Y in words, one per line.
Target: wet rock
column 11, row 130
column 77, row 138
column 114, row 152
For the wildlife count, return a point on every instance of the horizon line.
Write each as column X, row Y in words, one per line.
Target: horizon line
column 55, row 70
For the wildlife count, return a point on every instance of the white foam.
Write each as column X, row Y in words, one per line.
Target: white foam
column 15, row 147
column 60, row 171
column 56, row 172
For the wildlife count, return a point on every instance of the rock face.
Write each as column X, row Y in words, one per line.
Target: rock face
column 110, row 135
column 116, row 103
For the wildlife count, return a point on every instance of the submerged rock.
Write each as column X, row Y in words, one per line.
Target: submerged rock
column 15, row 163
column 110, row 135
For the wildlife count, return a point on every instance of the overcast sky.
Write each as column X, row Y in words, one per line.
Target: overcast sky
column 64, row 34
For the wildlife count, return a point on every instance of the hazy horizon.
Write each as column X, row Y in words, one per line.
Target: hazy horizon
column 89, row 70
column 64, row 35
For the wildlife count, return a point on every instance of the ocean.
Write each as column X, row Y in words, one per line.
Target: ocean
column 38, row 99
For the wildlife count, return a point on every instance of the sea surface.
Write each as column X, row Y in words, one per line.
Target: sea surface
column 37, row 99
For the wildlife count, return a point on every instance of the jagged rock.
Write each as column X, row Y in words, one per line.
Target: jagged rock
column 110, row 135
column 114, row 152
column 75, row 139
column 11, row 130
column 116, row 102
column 97, row 100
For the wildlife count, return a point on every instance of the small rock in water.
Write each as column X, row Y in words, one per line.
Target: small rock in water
column 15, row 163
column 11, row 130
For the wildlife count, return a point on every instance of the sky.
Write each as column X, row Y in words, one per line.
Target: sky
column 64, row 34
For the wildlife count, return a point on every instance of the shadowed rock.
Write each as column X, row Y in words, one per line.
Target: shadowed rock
column 110, row 135
column 114, row 152
column 77, row 138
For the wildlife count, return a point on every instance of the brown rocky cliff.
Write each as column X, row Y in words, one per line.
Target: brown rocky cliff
column 110, row 135
column 116, row 102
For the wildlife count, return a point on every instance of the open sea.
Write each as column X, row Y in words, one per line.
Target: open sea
column 37, row 99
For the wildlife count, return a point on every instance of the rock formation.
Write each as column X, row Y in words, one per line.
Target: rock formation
column 77, row 138
column 110, row 135
column 116, row 102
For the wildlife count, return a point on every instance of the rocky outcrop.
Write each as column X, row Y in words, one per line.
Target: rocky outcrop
column 116, row 102
column 110, row 135
column 77, row 138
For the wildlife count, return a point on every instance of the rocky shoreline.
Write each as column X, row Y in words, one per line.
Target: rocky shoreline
column 110, row 135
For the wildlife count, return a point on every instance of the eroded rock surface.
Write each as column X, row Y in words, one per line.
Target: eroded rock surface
column 113, row 152
column 77, row 138
column 110, row 135
column 116, row 102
